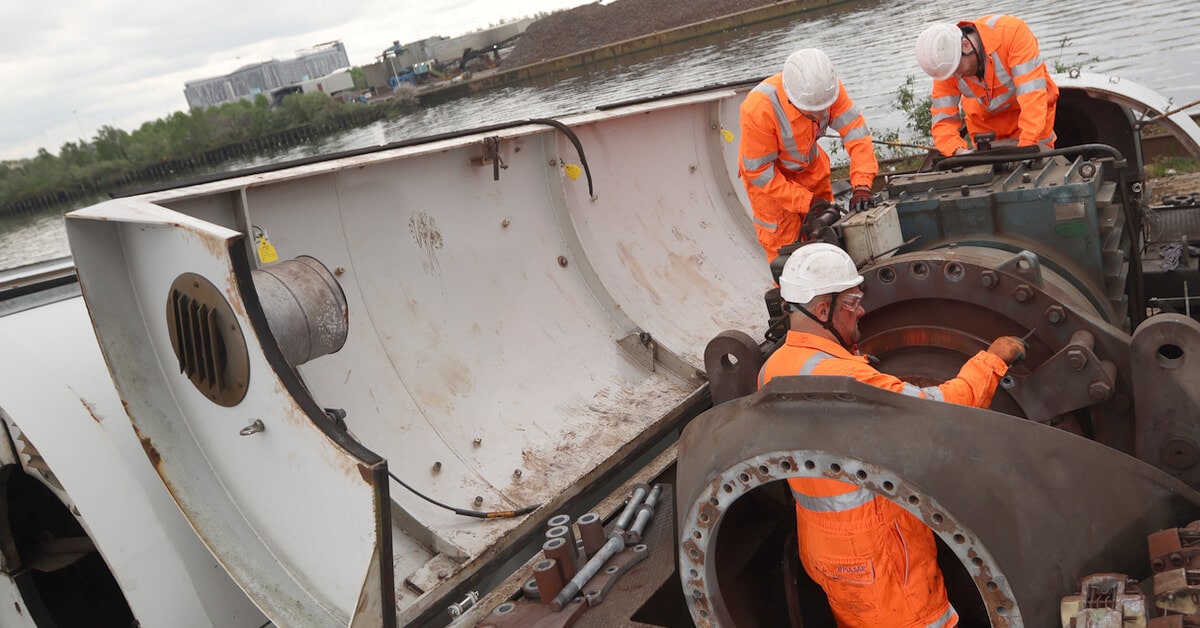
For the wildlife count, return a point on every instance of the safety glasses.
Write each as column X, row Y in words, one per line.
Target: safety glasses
column 850, row 301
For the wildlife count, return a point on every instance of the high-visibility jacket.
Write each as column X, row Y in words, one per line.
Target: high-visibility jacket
column 1016, row 97
column 876, row 561
column 783, row 167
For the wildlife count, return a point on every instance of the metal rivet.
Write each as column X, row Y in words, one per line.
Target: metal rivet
column 505, row 223
column 437, row 466
column 517, row 473
column 478, row 500
column 340, row 270
column 562, row 261
column 477, row 442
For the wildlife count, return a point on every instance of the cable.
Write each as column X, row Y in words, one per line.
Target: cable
column 500, row 514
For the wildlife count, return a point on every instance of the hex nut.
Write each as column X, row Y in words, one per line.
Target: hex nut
column 1076, row 359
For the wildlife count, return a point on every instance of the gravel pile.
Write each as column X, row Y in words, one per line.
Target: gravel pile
column 593, row 25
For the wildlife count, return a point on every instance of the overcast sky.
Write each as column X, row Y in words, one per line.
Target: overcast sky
column 72, row 66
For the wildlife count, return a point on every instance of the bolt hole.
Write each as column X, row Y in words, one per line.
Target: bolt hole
column 1170, row 356
column 914, row 500
column 887, row 275
column 728, row 488
column 786, row 465
column 1023, row 264
column 977, row 561
column 1002, row 610
column 958, row 538
column 693, row 573
column 714, row 501
column 697, row 534
column 729, row 361
column 920, row 270
column 744, row 477
column 937, row 518
column 862, row 475
column 887, row 486
column 954, row 271
column 763, row 469
column 810, row 465
column 703, row 517
column 835, row 467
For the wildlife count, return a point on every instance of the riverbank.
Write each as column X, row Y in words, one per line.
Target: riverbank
column 595, row 34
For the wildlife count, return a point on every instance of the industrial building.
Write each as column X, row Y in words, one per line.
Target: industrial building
column 267, row 76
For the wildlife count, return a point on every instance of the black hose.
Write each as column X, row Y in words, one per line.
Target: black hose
column 499, row 514
column 566, row 130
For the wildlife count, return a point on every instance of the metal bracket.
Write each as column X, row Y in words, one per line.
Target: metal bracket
column 1071, row 379
column 644, row 351
column 491, row 155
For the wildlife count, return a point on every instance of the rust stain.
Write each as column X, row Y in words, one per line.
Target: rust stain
column 91, row 410
column 148, row 447
column 630, row 261
column 425, row 232
column 367, row 473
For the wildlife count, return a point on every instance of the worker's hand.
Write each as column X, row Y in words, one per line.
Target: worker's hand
column 861, row 199
column 1008, row 348
column 820, row 215
column 962, row 151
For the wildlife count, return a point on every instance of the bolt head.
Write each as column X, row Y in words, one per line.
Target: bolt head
column 1099, row 391
column 1076, row 359
column 988, row 279
column 1023, row 293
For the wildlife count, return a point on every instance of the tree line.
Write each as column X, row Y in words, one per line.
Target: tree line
column 106, row 161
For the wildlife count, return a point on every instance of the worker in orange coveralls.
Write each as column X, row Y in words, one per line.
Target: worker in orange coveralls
column 992, row 68
column 875, row 560
column 785, row 171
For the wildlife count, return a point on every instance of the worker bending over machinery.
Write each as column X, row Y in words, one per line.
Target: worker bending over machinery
column 785, row 171
column 993, row 69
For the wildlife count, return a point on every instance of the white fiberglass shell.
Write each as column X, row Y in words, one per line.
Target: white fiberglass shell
column 482, row 361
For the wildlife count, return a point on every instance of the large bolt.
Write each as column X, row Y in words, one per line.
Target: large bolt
column 1099, row 391
column 1023, row 293
column 1076, row 359
column 1056, row 314
column 988, row 279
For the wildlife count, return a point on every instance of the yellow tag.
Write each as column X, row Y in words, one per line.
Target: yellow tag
column 266, row 252
column 727, row 135
column 572, row 171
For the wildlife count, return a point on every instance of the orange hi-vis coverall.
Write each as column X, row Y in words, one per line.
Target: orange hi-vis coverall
column 783, row 167
column 876, row 561
column 1016, row 97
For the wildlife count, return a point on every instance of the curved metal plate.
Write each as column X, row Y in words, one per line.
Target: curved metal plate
column 1027, row 508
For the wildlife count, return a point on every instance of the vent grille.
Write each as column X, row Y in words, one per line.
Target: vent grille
column 207, row 340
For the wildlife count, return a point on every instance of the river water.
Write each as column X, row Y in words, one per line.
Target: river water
column 871, row 42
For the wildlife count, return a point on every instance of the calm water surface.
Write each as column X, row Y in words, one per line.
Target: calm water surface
column 1152, row 43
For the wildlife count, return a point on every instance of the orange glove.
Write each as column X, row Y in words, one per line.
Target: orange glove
column 1008, row 348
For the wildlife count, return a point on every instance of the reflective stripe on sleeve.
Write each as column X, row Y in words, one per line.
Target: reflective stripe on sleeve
column 763, row 178
column 945, row 620
column 754, row 163
column 769, row 226
column 946, row 101
column 834, row 503
column 1021, row 69
column 1032, row 86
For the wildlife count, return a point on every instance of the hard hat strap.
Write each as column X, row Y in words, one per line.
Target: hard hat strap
column 827, row 324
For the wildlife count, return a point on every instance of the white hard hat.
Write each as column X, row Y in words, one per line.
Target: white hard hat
column 816, row 269
column 939, row 49
column 809, row 80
